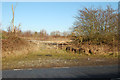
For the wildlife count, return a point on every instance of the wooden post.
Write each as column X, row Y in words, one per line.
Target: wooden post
column 57, row 45
column 13, row 19
column 13, row 10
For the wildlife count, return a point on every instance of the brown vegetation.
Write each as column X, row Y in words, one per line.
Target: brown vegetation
column 12, row 43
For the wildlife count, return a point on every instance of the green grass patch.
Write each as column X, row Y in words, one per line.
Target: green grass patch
column 49, row 57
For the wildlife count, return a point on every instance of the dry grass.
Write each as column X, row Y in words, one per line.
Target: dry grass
column 13, row 43
column 54, row 58
column 37, row 56
column 15, row 46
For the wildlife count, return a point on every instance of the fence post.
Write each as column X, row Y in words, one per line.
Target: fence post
column 57, row 45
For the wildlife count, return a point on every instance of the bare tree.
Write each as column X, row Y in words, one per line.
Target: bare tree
column 96, row 25
column 65, row 33
column 43, row 33
column 13, row 11
column 55, row 33
column 27, row 33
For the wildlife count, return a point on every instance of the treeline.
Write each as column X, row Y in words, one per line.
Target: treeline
column 96, row 26
column 42, row 34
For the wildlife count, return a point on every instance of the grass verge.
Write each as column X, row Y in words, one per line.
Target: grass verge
column 44, row 58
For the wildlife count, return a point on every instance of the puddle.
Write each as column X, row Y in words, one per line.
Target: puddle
column 48, row 55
